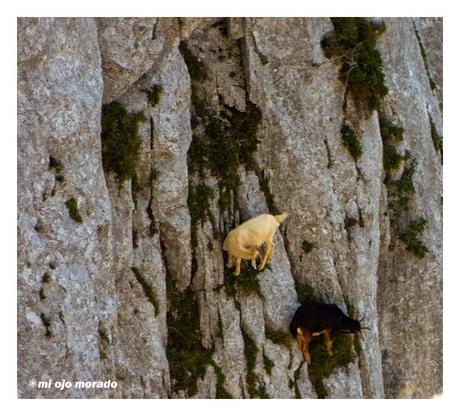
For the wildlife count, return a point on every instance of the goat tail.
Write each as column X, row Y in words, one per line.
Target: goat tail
column 280, row 218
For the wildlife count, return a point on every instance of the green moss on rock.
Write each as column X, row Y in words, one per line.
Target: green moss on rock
column 323, row 365
column 148, row 289
column 351, row 141
column 154, row 94
column 353, row 41
column 411, row 237
column 120, row 140
column 74, row 212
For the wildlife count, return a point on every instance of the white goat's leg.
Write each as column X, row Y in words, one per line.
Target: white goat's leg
column 272, row 251
column 229, row 260
column 237, row 268
column 267, row 249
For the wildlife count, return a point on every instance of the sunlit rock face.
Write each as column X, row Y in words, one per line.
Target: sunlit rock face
column 121, row 271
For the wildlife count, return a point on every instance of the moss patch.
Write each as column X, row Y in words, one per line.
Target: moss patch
column 305, row 293
column 187, row 357
column 58, row 167
column 46, row 278
column 74, row 212
column 229, row 140
column 353, row 41
column 307, row 247
column 195, row 67
column 47, row 324
column 221, row 392
column 278, row 337
column 250, row 351
column 322, row 365
column 154, row 94
column 401, row 191
column 391, row 135
column 351, row 141
column 120, row 140
column 268, row 364
column 437, row 139
column 199, row 204
column 149, row 290
column 245, row 283
column 411, row 237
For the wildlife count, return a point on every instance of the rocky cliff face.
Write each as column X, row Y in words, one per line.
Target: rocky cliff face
column 206, row 123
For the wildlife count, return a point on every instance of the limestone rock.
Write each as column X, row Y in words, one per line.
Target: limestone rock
column 102, row 265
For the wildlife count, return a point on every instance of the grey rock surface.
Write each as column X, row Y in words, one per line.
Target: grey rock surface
column 101, row 299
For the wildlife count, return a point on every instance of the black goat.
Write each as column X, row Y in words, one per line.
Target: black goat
column 313, row 319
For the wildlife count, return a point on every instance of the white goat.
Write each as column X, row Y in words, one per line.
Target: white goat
column 243, row 242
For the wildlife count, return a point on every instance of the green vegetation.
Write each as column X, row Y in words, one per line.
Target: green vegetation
column 353, row 42
column 391, row 134
column 400, row 192
column 103, row 333
column 149, row 290
column 250, row 351
column 411, row 237
column 264, row 187
column 221, row 392
column 268, row 364
column 46, row 278
column 437, row 139
column 323, row 365
column 305, row 293
column 195, row 67
column 154, row 94
column 42, row 294
column 47, row 323
column 120, row 140
column 307, row 247
column 351, row 141
column 296, row 377
column 245, row 283
column 187, row 357
column 228, row 141
column 278, row 337
column 74, row 212
column 58, row 169
column 199, row 204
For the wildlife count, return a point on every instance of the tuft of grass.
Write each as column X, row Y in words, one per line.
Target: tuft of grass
column 149, row 290
column 154, row 94
column 265, row 188
column 42, row 294
column 351, row 141
column 229, row 140
column 411, row 237
column 391, row 134
column 186, row 355
column 437, row 139
column 307, row 247
column 353, row 42
column 296, row 377
column 221, row 392
column 195, row 67
column 58, row 168
column 278, row 337
column 47, row 324
column 250, row 351
column 322, row 365
column 74, row 212
column 120, row 140
column 305, row 293
column 245, row 283
column 268, row 364
column 46, row 278
column 199, row 204
column 402, row 190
